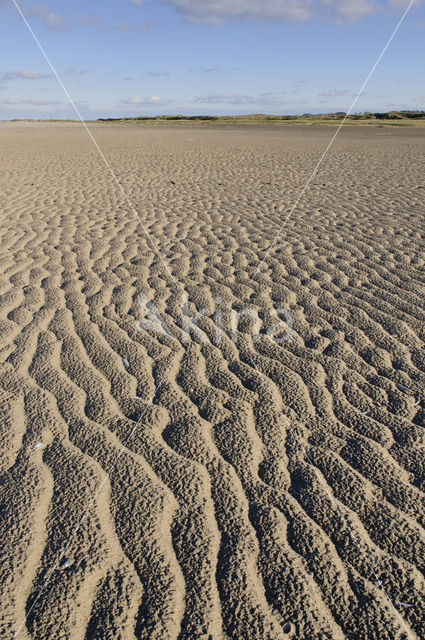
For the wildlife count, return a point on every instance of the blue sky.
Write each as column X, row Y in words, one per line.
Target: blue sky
column 146, row 57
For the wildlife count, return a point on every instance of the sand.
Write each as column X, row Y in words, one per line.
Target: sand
column 205, row 487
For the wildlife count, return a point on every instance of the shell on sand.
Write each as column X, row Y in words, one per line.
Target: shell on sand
column 66, row 563
column 404, row 389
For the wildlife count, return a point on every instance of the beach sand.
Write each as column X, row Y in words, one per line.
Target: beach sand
column 205, row 484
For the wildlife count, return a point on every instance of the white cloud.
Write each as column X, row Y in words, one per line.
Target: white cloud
column 263, row 99
column 334, row 93
column 149, row 100
column 219, row 11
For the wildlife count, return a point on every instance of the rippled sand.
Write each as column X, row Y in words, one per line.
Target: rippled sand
column 251, row 484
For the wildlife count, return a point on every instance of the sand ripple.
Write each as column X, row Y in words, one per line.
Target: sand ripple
column 263, row 483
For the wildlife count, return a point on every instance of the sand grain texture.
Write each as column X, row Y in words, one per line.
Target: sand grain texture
column 264, row 483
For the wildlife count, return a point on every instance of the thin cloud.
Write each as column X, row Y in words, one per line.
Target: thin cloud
column 33, row 103
column 23, row 74
column 54, row 21
column 158, row 74
column 73, row 71
column 263, row 99
column 334, row 93
column 88, row 21
column 218, row 12
column 204, row 69
column 128, row 26
column 50, row 18
column 353, row 10
column 147, row 100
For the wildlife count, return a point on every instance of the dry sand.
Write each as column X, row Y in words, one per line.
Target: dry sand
column 263, row 483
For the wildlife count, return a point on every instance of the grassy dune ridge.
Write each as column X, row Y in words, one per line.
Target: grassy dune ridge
column 389, row 118
column 408, row 118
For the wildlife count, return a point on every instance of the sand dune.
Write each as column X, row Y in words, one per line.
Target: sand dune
column 204, row 486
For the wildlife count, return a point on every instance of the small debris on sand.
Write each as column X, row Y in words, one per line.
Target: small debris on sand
column 126, row 363
column 38, row 445
column 402, row 604
column 406, row 390
column 286, row 627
